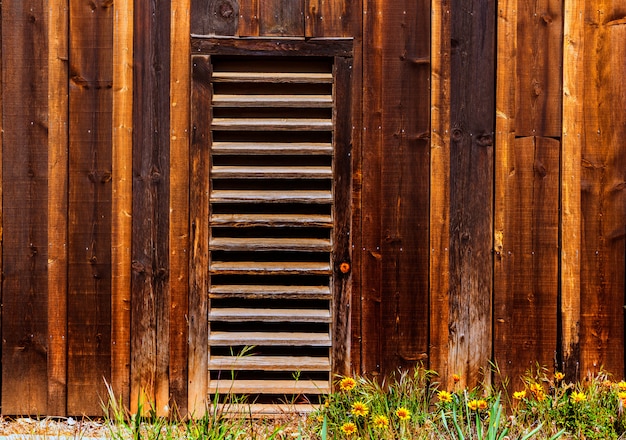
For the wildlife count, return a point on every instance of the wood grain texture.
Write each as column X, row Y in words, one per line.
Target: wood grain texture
column 25, row 207
column 121, row 227
column 472, row 123
column 151, row 172
column 538, row 76
column 90, row 194
column 248, row 18
column 57, row 206
column 281, row 18
column 198, row 239
column 439, row 216
column 180, row 80
column 527, row 260
column 571, row 159
column 214, row 17
column 603, row 199
column 329, row 18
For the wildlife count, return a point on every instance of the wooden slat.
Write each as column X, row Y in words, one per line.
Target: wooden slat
column 226, row 386
column 57, row 207
column 210, row 17
column 319, row 47
column 25, row 207
column 249, row 172
column 268, row 268
column 269, row 315
column 262, row 409
column 271, row 220
column 269, row 363
column 262, row 101
column 232, row 196
column 271, row 124
column 269, row 244
column 273, row 77
column 269, row 339
column 526, row 263
column 122, row 147
column 265, row 291
column 249, row 20
column 90, row 206
column 603, row 201
column 472, row 124
column 280, row 18
column 329, row 18
column 571, row 159
column 272, row 148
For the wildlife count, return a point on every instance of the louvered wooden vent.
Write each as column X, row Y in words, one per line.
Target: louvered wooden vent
column 272, row 227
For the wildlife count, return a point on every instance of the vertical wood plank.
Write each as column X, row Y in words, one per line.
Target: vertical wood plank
column 526, row 264
column 539, row 45
column 281, row 18
column 214, row 17
column 179, row 201
column 472, row 112
column 90, row 204
column 439, row 215
column 25, row 207
column 121, row 227
column 249, row 18
column 199, row 240
column 571, row 159
column 405, row 184
column 371, row 224
column 329, row 18
column 603, row 199
column 57, row 206
column 150, row 251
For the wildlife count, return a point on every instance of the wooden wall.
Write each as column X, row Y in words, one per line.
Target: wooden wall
column 488, row 205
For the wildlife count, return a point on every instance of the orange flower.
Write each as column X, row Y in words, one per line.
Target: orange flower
column 482, row 404
column 381, row 422
column 519, row 395
column 347, row 384
column 473, row 404
column 456, row 378
column 344, row 267
column 536, row 388
column 359, row 409
column 403, row 413
column 558, row 376
column 348, row 428
column 577, row 397
column 444, row 396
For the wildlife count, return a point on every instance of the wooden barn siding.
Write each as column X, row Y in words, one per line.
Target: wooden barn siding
column 96, row 167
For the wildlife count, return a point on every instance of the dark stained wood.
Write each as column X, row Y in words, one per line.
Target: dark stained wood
column 214, row 17
column 324, row 18
column 89, row 297
column 199, row 240
column 249, row 18
column 25, row 207
column 251, row 47
column 150, row 295
column 405, row 184
column 281, row 18
column 527, row 262
column 539, row 46
column 472, row 124
column 603, row 200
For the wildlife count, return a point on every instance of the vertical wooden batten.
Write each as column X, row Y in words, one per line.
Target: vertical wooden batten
column 180, row 87
column 121, row 228
column 58, row 58
column 329, row 18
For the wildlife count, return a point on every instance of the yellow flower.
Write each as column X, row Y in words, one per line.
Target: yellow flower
column 403, row 413
column 607, row 383
column 381, row 422
column 577, row 397
column 540, row 396
column 621, row 385
column 473, row 404
column 456, row 378
column 359, row 409
column 347, row 384
column 444, row 396
column 482, row 404
column 621, row 395
column 536, row 388
column 558, row 376
column 519, row 395
column 348, row 428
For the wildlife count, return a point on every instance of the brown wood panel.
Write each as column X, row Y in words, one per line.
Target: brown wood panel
column 25, row 207
column 439, row 217
column 405, row 184
column 251, row 47
column 199, row 240
column 571, row 171
column 121, row 227
column 281, row 18
column 214, row 17
column 90, row 204
column 329, row 18
column 526, row 261
column 179, row 201
column 249, row 18
column 57, row 206
column 472, row 123
column 150, row 294
column 603, row 199
column 539, row 52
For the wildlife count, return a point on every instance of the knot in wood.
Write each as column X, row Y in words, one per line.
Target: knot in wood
column 226, row 10
column 457, row 135
column 484, row 140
